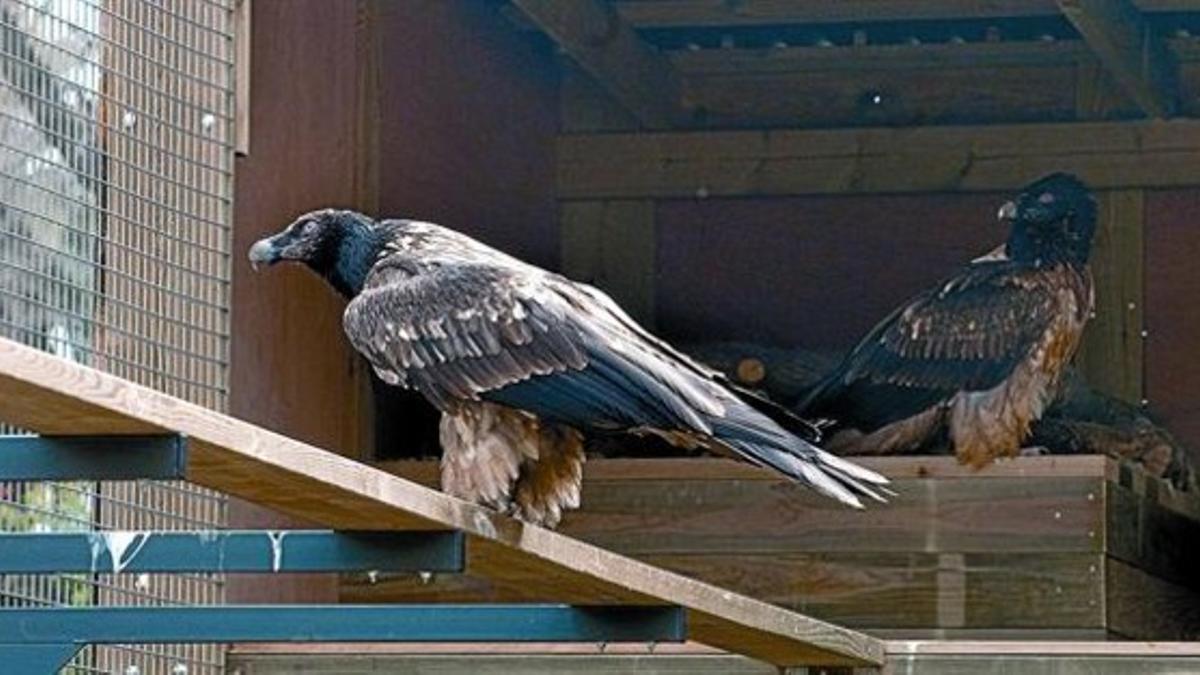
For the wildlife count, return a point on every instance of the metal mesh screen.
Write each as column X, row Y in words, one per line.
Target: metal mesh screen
column 116, row 186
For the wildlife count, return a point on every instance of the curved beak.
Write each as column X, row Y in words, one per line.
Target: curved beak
column 1008, row 212
column 263, row 252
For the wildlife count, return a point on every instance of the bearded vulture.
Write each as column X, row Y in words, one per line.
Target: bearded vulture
column 523, row 363
column 975, row 360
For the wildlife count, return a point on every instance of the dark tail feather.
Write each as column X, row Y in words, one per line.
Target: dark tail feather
column 761, row 441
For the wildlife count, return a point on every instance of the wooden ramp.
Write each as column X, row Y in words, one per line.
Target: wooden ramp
column 52, row 396
column 903, row 658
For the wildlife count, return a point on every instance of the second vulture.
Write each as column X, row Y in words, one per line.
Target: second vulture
column 523, row 362
column 975, row 360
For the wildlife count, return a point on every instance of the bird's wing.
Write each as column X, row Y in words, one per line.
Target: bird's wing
column 532, row 341
column 966, row 335
column 471, row 331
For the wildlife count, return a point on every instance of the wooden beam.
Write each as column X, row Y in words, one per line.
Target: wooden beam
column 50, row 395
column 1112, row 355
column 1124, row 42
column 591, row 33
column 881, row 160
column 710, row 13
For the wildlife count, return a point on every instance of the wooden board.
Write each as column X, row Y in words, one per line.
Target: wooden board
column 1023, row 547
column 592, row 34
column 1134, row 54
column 696, row 13
column 1112, row 354
column 775, row 163
column 52, row 396
column 904, row 657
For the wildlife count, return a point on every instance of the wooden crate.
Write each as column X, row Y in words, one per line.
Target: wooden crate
column 1043, row 547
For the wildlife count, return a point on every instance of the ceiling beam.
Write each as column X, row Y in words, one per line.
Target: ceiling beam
column 1122, row 39
column 594, row 35
column 712, row 13
column 691, row 165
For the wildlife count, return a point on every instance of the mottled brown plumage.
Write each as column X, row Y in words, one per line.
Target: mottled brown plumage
column 522, row 363
column 977, row 359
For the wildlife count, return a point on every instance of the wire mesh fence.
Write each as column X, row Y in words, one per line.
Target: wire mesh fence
column 116, row 158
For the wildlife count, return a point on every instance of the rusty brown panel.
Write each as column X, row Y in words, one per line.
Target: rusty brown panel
column 470, row 114
column 1172, row 322
column 815, row 272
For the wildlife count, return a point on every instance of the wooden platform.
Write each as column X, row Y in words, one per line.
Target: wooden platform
column 1034, row 548
column 903, row 658
column 49, row 395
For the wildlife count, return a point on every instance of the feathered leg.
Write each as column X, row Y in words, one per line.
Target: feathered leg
column 552, row 482
column 508, row 461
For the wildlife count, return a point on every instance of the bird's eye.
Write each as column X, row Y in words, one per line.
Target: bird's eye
column 309, row 227
column 1046, row 198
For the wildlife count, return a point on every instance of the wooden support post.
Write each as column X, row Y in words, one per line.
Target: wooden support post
column 591, row 33
column 1124, row 42
column 1111, row 357
column 612, row 245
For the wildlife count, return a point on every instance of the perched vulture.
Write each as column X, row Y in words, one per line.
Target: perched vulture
column 975, row 360
column 522, row 363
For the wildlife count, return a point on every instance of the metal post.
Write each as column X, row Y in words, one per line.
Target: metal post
column 231, row 551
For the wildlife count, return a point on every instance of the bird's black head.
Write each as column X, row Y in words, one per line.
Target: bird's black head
column 1053, row 218
column 340, row 245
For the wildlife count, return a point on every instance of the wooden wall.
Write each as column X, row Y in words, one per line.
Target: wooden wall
column 469, row 120
column 1172, row 318
column 811, row 272
column 291, row 370
column 425, row 108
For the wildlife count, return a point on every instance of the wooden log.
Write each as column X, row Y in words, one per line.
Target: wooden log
column 49, row 395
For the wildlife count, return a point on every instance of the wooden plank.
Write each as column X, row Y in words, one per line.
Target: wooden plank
column 708, row 13
column 591, row 33
column 527, row 664
column 904, row 657
column 717, row 469
column 1130, row 49
column 865, row 591
column 585, row 107
column 694, row 506
column 53, row 396
column 799, row 59
column 1112, row 354
column 1147, row 534
column 1141, row 606
column 612, row 245
column 792, row 162
column 958, row 515
column 923, row 85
